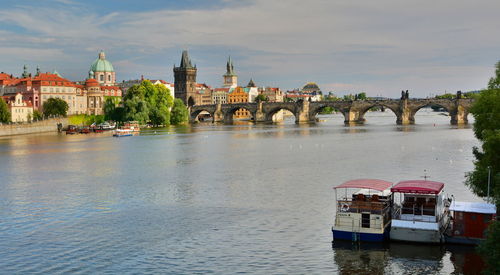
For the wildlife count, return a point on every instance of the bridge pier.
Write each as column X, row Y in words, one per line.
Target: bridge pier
column 353, row 117
column 259, row 115
column 406, row 115
column 218, row 115
column 302, row 116
column 459, row 115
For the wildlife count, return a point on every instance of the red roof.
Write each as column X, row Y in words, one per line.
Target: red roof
column 418, row 187
column 379, row 185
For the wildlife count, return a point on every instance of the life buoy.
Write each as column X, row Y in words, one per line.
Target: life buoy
column 344, row 207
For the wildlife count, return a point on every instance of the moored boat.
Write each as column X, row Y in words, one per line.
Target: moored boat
column 470, row 221
column 363, row 210
column 123, row 133
column 421, row 214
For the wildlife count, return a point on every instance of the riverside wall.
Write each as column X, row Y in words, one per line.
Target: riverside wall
column 48, row 125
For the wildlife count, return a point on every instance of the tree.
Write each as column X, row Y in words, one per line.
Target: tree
column 4, row 112
column 37, row 115
column 109, row 109
column 494, row 82
column 486, row 111
column 490, row 249
column 261, row 97
column 145, row 103
column 179, row 113
column 362, row 96
column 55, row 107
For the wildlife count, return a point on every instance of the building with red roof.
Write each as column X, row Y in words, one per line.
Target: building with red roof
column 86, row 97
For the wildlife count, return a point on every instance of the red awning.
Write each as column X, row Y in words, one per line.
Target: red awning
column 379, row 185
column 418, row 187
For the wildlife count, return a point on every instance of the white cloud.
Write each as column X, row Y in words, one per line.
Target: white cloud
column 372, row 45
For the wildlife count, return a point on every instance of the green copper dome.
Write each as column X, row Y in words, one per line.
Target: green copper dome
column 101, row 64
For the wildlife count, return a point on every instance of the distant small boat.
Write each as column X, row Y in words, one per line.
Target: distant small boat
column 123, row 133
column 72, row 129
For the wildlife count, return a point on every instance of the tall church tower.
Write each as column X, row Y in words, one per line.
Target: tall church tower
column 230, row 78
column 185, row 80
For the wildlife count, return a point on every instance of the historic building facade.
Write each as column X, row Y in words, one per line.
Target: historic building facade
column 86, row 97
column 20, row 110
column 185, row 80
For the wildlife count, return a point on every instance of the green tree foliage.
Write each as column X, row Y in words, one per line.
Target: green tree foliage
column 486, row 111
column 180, row 113
column 37, row 115
column 446, row 96
column 4, row 112
column 144, row 103
column 494, row 82
column 490, row 249
column 261, row 97
column 55, row 107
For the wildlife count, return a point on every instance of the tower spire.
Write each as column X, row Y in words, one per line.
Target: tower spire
column 185, row 61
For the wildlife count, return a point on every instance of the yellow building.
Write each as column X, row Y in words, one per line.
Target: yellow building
column 239, row 95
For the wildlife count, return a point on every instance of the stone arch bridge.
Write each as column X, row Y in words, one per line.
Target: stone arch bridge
column 353, row 110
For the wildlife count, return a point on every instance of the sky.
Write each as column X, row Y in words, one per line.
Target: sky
column 378, row 47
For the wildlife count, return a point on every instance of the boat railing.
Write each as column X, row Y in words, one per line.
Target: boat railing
column 373, row 207
column 414, row 213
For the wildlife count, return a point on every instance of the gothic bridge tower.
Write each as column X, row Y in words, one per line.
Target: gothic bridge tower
column 185, row 80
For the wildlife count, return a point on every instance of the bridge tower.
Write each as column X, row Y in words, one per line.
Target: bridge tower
column 185, row 80
column 230, row 78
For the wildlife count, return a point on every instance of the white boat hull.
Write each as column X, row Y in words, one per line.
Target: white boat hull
column 414, row 231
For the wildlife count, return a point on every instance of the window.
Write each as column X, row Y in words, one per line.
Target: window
column 44, row 96
column 109, row 77
column 101, row 77
column 51, row 90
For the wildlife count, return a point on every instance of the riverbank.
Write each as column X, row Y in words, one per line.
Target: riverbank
column 48, row 125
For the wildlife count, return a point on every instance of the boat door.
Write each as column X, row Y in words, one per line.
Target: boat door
column 365, row 220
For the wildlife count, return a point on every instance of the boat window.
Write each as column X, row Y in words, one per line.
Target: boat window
column 365, row 220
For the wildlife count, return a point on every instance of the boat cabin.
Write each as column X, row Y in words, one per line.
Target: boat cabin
column 363, row 210
column 419, row 200
column 470, row 221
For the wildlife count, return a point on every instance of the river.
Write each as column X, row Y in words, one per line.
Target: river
column 221, row 199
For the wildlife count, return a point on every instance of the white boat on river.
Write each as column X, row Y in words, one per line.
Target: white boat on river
column 363, row 210
column 420, row 213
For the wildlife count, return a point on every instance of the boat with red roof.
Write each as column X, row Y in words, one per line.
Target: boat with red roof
column 420, row 212
column 363, row 210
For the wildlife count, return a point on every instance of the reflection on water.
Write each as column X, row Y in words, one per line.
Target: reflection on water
column 212, row 198
column 403, row 258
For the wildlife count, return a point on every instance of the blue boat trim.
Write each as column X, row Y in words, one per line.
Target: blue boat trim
column 359, row 236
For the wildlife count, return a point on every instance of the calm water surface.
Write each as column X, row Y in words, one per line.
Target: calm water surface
column 218, row 199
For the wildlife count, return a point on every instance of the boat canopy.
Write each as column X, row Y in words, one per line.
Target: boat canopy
column 418, row 187
column 473, row 207
column 379, row 185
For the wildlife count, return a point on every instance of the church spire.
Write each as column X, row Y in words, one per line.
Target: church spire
column 185, row 61
column 251, row 83
column 229, row 67
column 25, row 71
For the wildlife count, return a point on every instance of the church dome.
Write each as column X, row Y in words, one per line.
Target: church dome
column 311, row 86
column 101, row 64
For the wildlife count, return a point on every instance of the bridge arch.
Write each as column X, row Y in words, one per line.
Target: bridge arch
column 195, row 113
column 449, row 108
column 190, row 101
column 365, row 109
column 270, row 114
column 241, row 111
